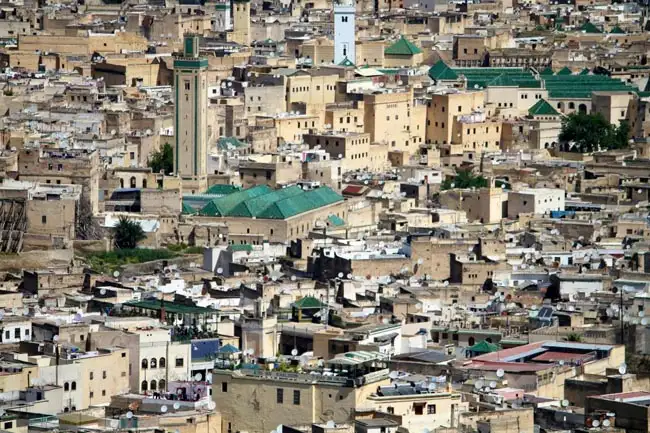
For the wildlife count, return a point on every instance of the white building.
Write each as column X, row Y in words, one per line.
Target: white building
column 221, row 22
column 536, row 201
column 344, row 31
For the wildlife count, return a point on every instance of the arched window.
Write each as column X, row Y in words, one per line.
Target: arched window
column 132, row 182
column 121, row 183
column 162, row 385
column 162, row 363
column 471, row 341
column 144, row 386
column 153, row 385
column 73, row 385
column 144, row 183
column 153, row 363
column 489, row 340
column 65, row 409
column 145, row 363
column 572, row 106
column 66, row 386
column 582, row 108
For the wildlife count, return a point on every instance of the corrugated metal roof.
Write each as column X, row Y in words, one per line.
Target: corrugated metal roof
column 223, row 205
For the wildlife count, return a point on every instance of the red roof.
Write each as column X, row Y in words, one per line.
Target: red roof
column 511, row 367
column 551, row 356
column 354, row 190
column 501, row 354
column 624, row 395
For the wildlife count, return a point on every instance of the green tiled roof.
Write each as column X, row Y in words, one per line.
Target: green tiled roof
column 346, row 62
column 228, row 142
column 335, row 220
column 564, row 71
column 542, row 108
column 187, row 209
column 222, row 189
column 304, row 202
column 170, row 307
column 223, row 205
column 263, row 202
column 440, row 71
column 307, row 302
column 403, row 47
column 590, row 28
column 585, row 71
column 617, row 31
column 483, row 347
column 241, row 247
column 253, row 207
column 502, row 80
column 547, row 71
column 582, row 86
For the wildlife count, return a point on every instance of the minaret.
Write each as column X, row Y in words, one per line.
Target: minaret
column 241, row 22
column 344, row 31
column 222, row 17
column 191, row 117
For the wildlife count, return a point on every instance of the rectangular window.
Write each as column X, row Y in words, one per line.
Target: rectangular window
column 43, row 219
column 279, row 395
column 296, row 397
column 17, row 333
column 104, row 374
column 92, row 375
column 92, row 394
column 418, row 408
column 179, row 362
column 187, row 84
column 224, row 386
column 431, row 409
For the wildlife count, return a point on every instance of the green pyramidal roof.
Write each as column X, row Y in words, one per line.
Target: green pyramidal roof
column 547, row 71
column 403, row 47
column 564, row 71
column 617, row 31
column 590, row 28
column 585, row 71
column 307, row 302
column 346, row 62
column 440, row 71
column 542, row 108
column 483, row 347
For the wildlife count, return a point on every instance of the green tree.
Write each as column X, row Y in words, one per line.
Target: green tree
column 162, row 159
column 465, row 179
column 128, row 233
column 582, row 132
column 574, row 337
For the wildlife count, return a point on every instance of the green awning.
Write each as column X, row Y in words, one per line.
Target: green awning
column 335, row 220
column 483, row 347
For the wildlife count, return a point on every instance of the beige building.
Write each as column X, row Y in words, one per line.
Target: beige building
column 419, row 408
column 290, row 128
column 444, row 111
column 486, row 205
column 241, row 31
column 613, row 106
column 345, row 117
column 256, row 401
column 387, row 118
column 355, row 150
column 272, row 170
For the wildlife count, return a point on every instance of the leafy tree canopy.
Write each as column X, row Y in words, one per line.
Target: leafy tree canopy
column 128, row 233
column 162, row 159
column 582, row 132
column 465, row 179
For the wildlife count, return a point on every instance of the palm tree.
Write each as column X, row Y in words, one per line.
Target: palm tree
column 127, row 233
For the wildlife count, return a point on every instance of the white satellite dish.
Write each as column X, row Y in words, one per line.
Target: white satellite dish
column 432, row 387
column 641, row 314
column 596, row 423
column 393, row 375
column 478, row 384
column 293, row 278
column 294, row 352
column 212, row 405
column 565, row 403
column 163, row 408
column 349, row 276
column 622, row 369
column 493, row 384
column 606, row 423
column 198, row 377
column 500, row 372
column 129, row 414
column 116, row 274
column 177, row 406
column 644, row 321
column 219, row 271
column 102, row 291
column 340, row 275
